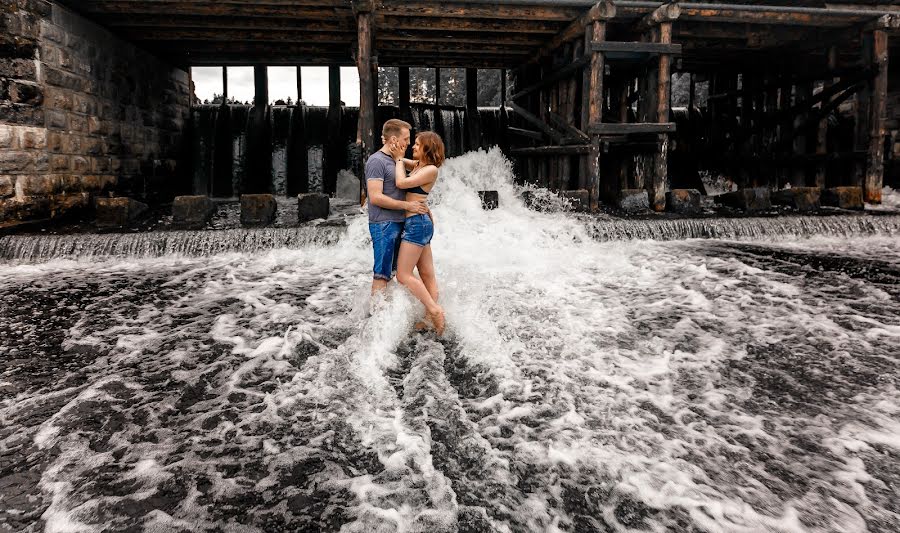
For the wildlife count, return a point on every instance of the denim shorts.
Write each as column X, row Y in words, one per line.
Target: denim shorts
column 386, row 244
column 418, row 230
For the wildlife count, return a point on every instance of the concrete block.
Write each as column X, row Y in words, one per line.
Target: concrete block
column 843, row 197
column 489, row 199
column 750, row 200
column 192, row 212
column 633, row 200
column 579, row 200
column 257, row 209
column 684, row 201
column 312, row 206
column 117, row 212
column 800, row 198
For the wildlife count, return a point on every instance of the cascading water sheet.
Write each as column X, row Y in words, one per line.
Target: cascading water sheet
column 695, row 385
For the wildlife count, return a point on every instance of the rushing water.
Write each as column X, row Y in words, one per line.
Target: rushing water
column 583, row 385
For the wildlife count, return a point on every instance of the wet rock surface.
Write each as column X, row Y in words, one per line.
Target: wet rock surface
column 192, row 212
column 311, row 206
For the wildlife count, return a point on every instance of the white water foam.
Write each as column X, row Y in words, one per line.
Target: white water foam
column 584, row 385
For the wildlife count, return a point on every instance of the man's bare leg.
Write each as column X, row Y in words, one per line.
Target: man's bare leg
column 378, row 285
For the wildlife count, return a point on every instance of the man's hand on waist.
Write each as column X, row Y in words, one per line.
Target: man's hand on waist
column 419, row 206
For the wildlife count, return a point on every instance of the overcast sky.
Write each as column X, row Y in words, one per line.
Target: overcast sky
column 282, row 83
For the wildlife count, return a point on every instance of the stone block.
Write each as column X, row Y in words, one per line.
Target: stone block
column 683, row 201
column 51, row 32
column 7, row 186
column 38, row 185
column 59, row 99
column 800, row 198
column 843, row 197
column 17, row 69
column 634, row 200
column 80, row 165
column 54, row 142
column 65, row 204
column 42, row 162
column 579, row 200
column 257, row 209
column 117, row 212
column 77, row 123
column 59, row 162
column 34, row 139
column 57, row 120
column 16, row 162
column 96, row 184
column 312, row 206
column 21, row 114
column 489, row 199
column 8, row 137
column 25, row 92
column 192, row 212
column 749, row 200
column 99, row 165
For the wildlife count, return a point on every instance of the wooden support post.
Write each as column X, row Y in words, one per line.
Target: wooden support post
column 333, row 154
column 660, row 160
column 594, row 97
column 822, row 133
column 403, row 75
column 473, row 122
column 504, row 141
column 224, row 85
column 437, row 89
column 804, row 93
column 261, row 84
column 299, row 84
column 365, row 125
column 877, row 109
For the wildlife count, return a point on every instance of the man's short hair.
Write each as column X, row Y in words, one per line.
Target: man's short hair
column 393, row 127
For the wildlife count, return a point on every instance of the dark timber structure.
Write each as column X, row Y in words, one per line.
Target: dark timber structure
column 794, row 93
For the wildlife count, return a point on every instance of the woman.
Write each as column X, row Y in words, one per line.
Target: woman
column 415, row 245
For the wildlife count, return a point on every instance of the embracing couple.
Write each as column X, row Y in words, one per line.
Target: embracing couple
column 400, row 221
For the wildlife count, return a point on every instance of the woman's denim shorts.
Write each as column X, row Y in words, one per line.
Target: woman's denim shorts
column 418, row 230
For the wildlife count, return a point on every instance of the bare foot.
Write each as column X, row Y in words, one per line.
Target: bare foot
column 421, row 325
column 439, row 321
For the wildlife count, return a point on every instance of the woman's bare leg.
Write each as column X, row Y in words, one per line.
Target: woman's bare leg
column 425, row 266
column 409, row 256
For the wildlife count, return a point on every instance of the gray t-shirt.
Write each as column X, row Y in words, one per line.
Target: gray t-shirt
column 381, row 166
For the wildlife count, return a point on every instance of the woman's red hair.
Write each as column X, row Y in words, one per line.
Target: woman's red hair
column 432, row 148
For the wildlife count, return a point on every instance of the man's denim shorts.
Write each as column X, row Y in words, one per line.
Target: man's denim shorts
column 386, row 243
column 418, row 230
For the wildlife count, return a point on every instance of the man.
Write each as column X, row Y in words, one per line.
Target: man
column 387, row 204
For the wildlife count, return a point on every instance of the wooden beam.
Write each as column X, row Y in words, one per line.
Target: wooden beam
column 573, row 149
column 664, row 13
column 602, row 10
column 224, row 85
column 610, row 128
column 563, row 125
column 553, row 77
column 535, row 121
column 473, row 11
column 526, row 133
column 637, row 47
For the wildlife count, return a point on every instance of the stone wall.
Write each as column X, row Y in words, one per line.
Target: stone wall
column 82, row 113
